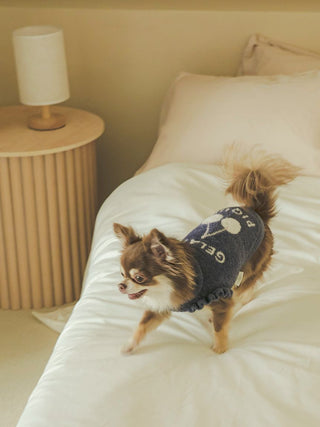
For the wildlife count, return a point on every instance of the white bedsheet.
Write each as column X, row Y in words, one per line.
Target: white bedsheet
column 269, row 377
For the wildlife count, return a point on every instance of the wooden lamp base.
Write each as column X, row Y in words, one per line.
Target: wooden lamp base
column 46, row 121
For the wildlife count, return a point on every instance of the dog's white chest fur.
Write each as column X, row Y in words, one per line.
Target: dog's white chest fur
column 158, row 298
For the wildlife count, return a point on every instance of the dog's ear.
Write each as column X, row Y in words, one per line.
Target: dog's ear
column 127, row 235
column 159, row 245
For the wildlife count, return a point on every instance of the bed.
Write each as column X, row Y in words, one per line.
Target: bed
column 271, row 373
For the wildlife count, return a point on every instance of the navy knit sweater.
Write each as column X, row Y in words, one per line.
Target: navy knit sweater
column 222, row 244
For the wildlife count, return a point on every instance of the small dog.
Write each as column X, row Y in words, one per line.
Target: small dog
column 218, row 263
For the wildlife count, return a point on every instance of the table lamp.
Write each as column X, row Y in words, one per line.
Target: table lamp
column 41, row 72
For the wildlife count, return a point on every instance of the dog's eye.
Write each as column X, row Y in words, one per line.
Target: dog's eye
column 138, row 278
column 122, row 274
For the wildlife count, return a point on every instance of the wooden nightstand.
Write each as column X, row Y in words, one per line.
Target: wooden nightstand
column 48, row 204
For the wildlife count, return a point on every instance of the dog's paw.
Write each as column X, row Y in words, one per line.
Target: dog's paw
column 128, row 348
column 219, row 349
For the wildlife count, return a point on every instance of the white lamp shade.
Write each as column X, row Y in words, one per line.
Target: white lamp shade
column 41, row 65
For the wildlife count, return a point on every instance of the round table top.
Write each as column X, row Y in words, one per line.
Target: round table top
column 17, row 140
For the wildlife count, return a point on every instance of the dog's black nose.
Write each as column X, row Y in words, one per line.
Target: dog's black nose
column 122, row 287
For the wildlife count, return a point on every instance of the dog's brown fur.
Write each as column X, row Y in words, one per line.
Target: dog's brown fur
column 166, row 264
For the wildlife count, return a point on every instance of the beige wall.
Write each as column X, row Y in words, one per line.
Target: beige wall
column 121, row 63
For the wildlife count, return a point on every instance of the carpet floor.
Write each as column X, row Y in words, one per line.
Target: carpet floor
column 26, row 345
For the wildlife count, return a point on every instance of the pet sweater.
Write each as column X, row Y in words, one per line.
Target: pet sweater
column 221, row 245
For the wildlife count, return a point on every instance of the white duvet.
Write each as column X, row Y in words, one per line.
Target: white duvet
column 269, row 377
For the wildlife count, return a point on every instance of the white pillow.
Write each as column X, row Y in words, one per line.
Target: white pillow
column 265, row 56
column 206, row 113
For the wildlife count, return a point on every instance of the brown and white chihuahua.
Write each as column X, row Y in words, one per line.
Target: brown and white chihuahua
column 161, row 270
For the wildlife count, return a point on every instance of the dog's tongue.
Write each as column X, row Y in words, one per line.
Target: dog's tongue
column 137, row 295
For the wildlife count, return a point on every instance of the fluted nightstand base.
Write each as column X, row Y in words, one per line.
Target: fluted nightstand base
column 48, row 206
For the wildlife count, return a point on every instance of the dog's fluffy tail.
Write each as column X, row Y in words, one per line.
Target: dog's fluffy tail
column 253, row 177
